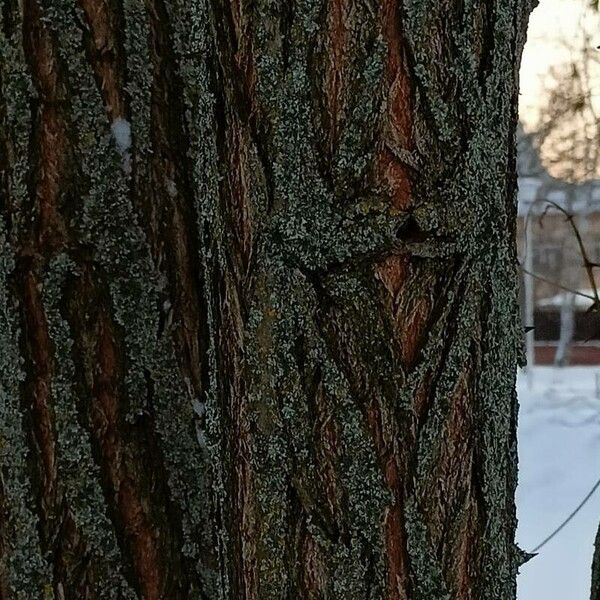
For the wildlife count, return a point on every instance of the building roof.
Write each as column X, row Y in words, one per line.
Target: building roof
column 537, row 186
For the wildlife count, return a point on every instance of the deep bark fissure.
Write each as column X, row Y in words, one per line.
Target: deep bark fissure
column 42, row 237
column 174, row 233
column 104, row 43
column 139, row 503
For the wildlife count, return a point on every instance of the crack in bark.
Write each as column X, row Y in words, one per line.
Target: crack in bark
column 235, row 128
column 338, row 34
column 49, row 145
column 169, row 213
column 145, row 551
column 37, row 340
column 397, row 133
column 44, row 235
column 105, row 51
column 242, row 512
column 127, row 454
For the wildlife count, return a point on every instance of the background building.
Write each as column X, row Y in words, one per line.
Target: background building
column 557, row 290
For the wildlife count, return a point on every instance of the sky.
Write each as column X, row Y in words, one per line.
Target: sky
column 553, row 24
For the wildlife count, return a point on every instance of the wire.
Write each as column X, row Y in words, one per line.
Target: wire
column 566, row 521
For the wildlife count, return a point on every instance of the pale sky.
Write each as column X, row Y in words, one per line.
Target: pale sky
column 553, row 24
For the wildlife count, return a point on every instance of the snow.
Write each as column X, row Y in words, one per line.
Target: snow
column 121, row 130
column 559, row 438
column 199, row 407
column 584, row 298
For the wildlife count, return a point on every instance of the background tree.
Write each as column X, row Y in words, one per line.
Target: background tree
column 258, row 306
column 566, row 134
column 595, row 593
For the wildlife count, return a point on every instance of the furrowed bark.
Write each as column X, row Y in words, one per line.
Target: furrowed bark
column 258, row 272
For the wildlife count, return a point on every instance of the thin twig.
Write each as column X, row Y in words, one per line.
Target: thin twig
column 588, row 264
column 558, row 285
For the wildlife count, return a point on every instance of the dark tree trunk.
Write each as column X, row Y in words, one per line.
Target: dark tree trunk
column 258, row 320
column 595, row 595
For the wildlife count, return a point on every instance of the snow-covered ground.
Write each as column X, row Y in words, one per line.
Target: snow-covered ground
column 559, row 437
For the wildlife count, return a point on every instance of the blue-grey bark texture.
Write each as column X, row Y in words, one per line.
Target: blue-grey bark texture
column 258, row 320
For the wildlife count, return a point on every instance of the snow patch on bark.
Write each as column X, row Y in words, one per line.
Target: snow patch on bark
column 121, row 131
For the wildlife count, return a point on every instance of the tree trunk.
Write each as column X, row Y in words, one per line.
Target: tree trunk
column 567, row 329
column 259, row 327
column 595, row 591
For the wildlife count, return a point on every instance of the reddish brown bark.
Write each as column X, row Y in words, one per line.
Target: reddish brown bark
column 40, row 350
column 44, row 234
column 50, row 133
column 396, row 176
column 313, row 584
column 140, row 534
column 397, row 121
column 393, row 466
column 166, row 202
column 243, row 509
column 106, row 53
column 337, row 42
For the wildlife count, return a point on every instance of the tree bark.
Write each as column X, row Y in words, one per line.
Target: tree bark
column 595, row 588
column 259, row 326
